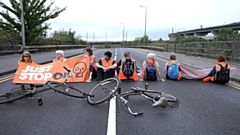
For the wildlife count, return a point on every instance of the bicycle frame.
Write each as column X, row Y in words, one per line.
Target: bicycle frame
column 123, row 97
column 66, row 87
column 30, row 92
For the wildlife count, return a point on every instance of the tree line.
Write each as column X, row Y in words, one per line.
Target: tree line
column 36, row 15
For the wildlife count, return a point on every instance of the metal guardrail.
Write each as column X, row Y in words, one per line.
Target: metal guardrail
column 148, row 47
column 45, row 62
column 14, row 49
column 237, row 80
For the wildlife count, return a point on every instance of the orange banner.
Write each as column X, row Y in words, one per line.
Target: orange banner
column 32, row 73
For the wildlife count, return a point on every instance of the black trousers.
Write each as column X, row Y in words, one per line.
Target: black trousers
column 105, row 75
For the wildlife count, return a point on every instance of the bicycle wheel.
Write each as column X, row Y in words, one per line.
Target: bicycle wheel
column 66, row 89
column 104, row 91
column 12, row 96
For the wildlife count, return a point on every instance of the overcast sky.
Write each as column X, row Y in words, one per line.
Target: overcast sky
column 105, row 16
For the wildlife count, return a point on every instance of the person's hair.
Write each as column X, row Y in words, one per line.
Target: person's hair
column 60, row 52
column 151, row 56
column 109, row 54
column 126, row 54
column 89, row 50
column 26, row 53
column 221, row 59
column 173, row 56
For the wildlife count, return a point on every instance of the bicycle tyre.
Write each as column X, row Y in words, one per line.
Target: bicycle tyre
column 11, row 96
column 67, row 90
column 105, row 95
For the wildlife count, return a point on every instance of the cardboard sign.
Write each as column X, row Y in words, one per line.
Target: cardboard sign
column 32, row 73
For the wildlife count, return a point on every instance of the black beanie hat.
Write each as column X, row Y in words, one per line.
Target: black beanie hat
column 109, row 54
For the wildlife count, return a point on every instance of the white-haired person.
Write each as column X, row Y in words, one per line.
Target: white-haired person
column 59, row 56
column 151, row 70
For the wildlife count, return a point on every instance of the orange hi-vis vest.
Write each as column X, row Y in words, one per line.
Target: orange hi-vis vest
column 61, row 60
column 94, row 58
column 106, row 63
column 134, row 76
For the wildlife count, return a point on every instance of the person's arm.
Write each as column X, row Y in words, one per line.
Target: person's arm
column 179, row 67
column 119, row 63
column 143, row 71
column 114, row 65
column 135, row 65
column 99, row 64
column 93, row 59
column 158, row 72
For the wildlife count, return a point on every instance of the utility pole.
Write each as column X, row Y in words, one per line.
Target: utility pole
column 22, row 23
column 145, row 33
column 86, row 38
column 126, row 36
column 123, row 33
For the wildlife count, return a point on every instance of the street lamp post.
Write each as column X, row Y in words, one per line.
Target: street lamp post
column 123, row 32
column 22, row 23
column 86, row 38
column 106, row 39
column 93, row 40
column 145, row 33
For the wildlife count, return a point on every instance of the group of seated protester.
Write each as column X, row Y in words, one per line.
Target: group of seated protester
column 126, row 68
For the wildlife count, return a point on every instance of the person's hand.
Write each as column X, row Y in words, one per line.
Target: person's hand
column 162, row 80
column 141, row 79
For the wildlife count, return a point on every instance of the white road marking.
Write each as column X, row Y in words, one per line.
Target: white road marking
column 111, row 128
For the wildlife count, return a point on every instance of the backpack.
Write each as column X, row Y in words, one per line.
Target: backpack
column 151, row 72
column 173, row 70
column 128, row 68
column 223, row 75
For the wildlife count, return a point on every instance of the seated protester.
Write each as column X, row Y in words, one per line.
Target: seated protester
column 59, row 56
column 220, row 72
column 93, row 60
column 26, row 57
column 172, row 68
column 127, row 68
column 106, row 67
column 151, row 69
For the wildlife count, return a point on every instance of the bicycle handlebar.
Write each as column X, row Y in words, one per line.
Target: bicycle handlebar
column 137, row 88
column 66, row 69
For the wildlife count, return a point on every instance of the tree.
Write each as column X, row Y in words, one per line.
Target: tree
column 63, row 35
column 36, row 13
column 226, row 34
column 67, row 37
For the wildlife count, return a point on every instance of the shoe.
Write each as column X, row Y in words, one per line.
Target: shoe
column 89, row 79
column 22, row 87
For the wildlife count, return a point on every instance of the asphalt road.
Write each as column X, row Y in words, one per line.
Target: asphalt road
column 205, row 108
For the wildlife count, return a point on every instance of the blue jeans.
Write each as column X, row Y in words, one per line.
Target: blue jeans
column 213, row 72
column 94, row 72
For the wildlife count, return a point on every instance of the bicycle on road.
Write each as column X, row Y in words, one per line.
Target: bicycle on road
column 109, row 88
column 19, row 93
column 66, row 89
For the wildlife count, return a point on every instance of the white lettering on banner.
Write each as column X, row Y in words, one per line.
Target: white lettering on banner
column 35, row 76
column 36, row 73
column 37, row 69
